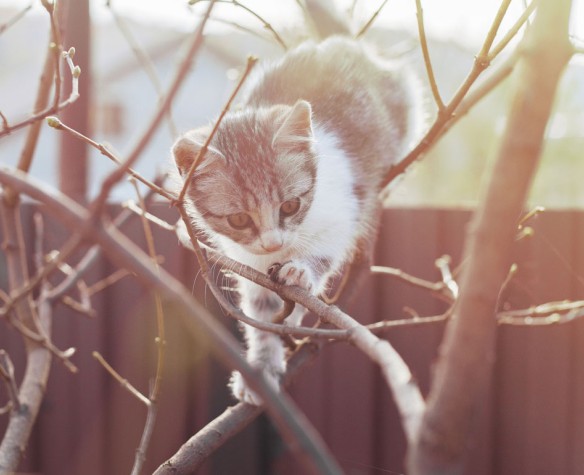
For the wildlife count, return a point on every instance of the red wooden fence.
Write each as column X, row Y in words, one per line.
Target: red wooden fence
column 532, row 421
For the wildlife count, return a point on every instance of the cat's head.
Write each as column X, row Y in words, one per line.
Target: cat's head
column 256, row 182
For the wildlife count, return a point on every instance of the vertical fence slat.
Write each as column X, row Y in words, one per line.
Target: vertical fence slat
column 547, row 379
column 576, row 408
column 409, row 241
column 511, row 409
column 350, row 405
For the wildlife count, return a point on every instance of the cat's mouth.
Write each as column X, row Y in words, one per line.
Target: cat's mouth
column 267, row 252
column 261, row 250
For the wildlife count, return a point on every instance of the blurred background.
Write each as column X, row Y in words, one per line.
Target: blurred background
column 122, row 93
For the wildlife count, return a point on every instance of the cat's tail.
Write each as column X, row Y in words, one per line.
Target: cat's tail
column 326, row 18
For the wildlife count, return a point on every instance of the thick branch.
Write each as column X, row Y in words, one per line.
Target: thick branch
column 233, row 420
column 466, row 360
column 38, row 357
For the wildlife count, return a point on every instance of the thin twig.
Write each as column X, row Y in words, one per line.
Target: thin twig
column 481, row 62
column 161, row 338
column 439, row 289
column 161, row 350
column 50, row 265
column 513, row 30
column 108, row 281
column 56, row 46
column 15, row 18
column 144, row 60
column 73, row 96
column 83, row 307
column 443, row 265
column 50, row 70
column 38, row 359
column 94, row 252
column 237, row 26
column 180, row 75
column 554, row 312
column 265, row 23
column 426, row 54
column 478, row 93
column 56, row 123
column 384, row 325
column 131, row 205
column 123, row 382
column 367, row 25
column 5, row 124
column 7, row 374
column 251, row 61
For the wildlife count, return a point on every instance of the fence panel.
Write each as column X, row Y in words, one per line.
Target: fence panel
column 531, row 421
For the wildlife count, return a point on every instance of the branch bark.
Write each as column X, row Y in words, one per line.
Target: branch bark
column 38, row 357
column 467, row 354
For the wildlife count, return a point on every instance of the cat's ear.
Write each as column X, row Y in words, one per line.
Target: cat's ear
column 186, row 149
column 296, row 128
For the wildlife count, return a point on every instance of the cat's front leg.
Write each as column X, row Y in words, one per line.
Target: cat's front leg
column 265, row 350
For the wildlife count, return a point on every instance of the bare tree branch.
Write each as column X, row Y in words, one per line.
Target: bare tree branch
column 426, row 54
column 251, row 62
column 405, row 390
column 7, row 374
column 144, row 60
column 124, row 383
column 35, row 117
column 38, row 357
column 56, row 123
column 467, row 354
column 482, row 61
column 162, row 110
column 371, row 20
column 161, row 351
column 233, row 420
column 15, row 19
column 264, row 22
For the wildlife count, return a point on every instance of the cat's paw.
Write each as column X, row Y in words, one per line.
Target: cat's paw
column 292, row 273
column 242, row 392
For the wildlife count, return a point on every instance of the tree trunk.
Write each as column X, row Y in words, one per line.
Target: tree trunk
column 468, row 351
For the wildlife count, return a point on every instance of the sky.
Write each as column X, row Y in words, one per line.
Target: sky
column 465, row 21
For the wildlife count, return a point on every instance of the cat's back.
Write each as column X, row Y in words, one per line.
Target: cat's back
column 318, row 73
column 353, row 92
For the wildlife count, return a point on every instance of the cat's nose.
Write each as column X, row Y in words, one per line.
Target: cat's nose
column 271, row 242
column 272, row 247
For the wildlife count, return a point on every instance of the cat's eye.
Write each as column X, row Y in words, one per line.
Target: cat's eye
column 239, row 220
column 290, row 207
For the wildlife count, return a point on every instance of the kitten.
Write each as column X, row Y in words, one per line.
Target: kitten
column 293, row 177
